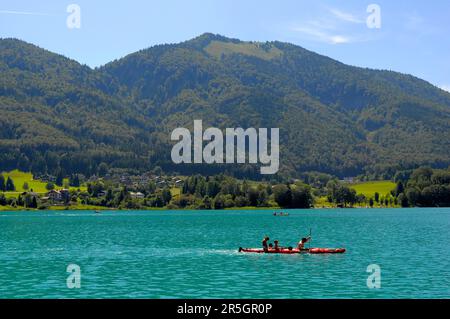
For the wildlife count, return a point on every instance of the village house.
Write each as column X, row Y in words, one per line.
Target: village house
column 62, row 195
column 178, row 182
column 101, row 194
column 137, row 195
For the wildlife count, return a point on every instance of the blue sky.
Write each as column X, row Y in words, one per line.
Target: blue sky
column 413, row 38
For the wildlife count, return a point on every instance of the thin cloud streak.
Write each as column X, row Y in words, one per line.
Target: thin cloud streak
column 322, row 36
column 334, row 27
column 345, row 16
column 24, row 13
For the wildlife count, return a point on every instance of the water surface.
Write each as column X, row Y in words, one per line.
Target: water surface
column 193, row 254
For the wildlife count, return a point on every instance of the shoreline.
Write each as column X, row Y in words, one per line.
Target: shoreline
column 75, row 208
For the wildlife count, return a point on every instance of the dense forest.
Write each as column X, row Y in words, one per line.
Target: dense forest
column 60, row 117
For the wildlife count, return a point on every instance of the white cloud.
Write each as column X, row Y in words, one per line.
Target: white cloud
column 339, row 39
column 345, row 16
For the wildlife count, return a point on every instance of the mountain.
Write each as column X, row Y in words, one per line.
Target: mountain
column 333, row 118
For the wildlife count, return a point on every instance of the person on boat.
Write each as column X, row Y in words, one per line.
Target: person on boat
column 301, row 243
column 276, row 247
column 270, row 246
column 265, row 243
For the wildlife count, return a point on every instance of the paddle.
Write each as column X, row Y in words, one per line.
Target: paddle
column 310, row 238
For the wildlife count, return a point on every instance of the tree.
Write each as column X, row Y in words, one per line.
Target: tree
column 301, row 197
column 2, row 199
column 207, row 202
column 151, row 187
column 30, row 201
column 403, row 200
column 229, row 202
column 157, row 171
column 109, row 195
column 371, row 203
column 10, row 187
column 212, row 188
column 157, row 201
column 59, row 178
column 20, row 201
column 103, row 169
column 241, row 201
column 50, row 186
column 219, row 202
column 399, row 188
column 341, row 194
column 66, row 184
column 377, row 197
column 360, row 198
column 245, row 186
column 413, row 196
column 75, row 180
column 282, row 195
column 2, row 183
column 262, row 198
column 25, row 186
column 166, row 195
column 34, row 203
column 440, row 177
column 252, row 196
column 435, row 196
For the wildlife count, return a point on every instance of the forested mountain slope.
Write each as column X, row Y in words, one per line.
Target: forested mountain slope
column 335, row 118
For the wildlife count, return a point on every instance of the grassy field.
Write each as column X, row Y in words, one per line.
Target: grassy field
column 175, row 191
column 19, row 178
column 217, row 48
column 368, row 189
column 322, row 202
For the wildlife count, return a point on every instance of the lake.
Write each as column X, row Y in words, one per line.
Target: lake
column 194, row 254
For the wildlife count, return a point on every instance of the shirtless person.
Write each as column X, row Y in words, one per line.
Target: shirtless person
column 301, row 243
column 265, row 243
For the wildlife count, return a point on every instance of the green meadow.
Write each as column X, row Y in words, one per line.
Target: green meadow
column 20, row 178
column 368, row 189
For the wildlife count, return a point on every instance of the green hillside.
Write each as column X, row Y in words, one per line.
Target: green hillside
column 60, row 115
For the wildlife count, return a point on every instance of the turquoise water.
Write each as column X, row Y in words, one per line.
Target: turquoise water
column 193, row 254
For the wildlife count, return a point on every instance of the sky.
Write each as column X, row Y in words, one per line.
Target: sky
column 408, row 36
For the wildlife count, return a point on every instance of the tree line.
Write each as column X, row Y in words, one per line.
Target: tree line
column 422, row 187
